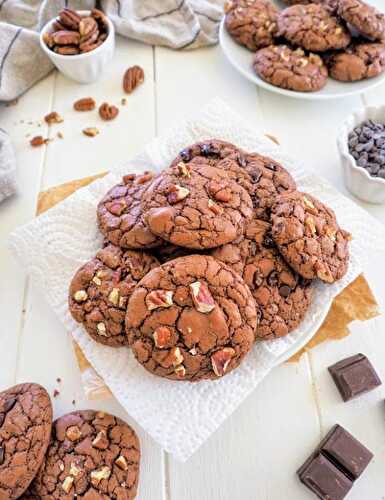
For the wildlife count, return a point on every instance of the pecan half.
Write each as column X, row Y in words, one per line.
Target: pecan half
column 69, row 18
column 108, row 111
column 85, row 104
column 66, row 50
column 53, row 117
column 66, row 37
column 38, row 141
column 132, row 78
column 87, row 27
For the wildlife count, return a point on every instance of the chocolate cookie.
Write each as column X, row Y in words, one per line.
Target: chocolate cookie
column 365, row 18
column 309, row 237
column 357, row 62
column 120, row 216
column 313, row 28
column 262, row 177
column 193, row 318
column 100, row 289
column 290, row 69
column 196, row 207
column 92, row 455
column 269, row 179
column 330, row 5
column 281, row 295
column 25, row 428
column 251, row 23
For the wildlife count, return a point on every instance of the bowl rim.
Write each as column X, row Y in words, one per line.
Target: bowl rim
column 76, row 57
column 342, row 140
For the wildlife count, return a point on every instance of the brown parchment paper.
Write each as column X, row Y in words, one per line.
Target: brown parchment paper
column 355, row 302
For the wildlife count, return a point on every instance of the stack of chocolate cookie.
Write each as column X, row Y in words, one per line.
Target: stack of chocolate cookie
column 299, row 47
column 84, row 454
column 216, row 252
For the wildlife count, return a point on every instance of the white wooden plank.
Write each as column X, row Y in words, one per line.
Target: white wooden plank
column 19, row 121
column 241, row 459
column 256, row 452
column 45, row 348
column 187, row 81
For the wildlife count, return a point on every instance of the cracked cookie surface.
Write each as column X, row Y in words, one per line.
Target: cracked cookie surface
column 100, row 290
column 290, row 69
column 313, row 28
column 281, row 295
column 193, row 318
column 309, row 238
column 196, row 207
column 93, row 456
column 25, row 428
column 357, row 62
column 330, row 5
column 252, row 23
column 262, row 177
column 365, row 18
column 120, row 216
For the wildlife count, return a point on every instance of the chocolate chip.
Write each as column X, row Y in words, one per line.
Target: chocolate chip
column 2, row 418
column 185, row 154
column 253, row 249
column 242, row 162
column 206, row 150
column 9, row 404
column 284, row 291
column 272, row 279
column 255, row 175
column 268, row 241
column 271, row 166
column 258, row 278
column 2, row 455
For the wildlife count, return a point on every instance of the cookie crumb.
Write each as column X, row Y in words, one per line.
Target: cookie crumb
column 58, row 380
column 56, row 393
column 91, row 131
column 123, row 101
column 38, row 141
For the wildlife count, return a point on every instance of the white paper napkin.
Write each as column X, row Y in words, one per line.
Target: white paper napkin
column 180, row 416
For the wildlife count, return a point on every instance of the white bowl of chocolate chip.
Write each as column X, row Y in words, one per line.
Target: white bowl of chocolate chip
column 79, row 43
column 361, row 144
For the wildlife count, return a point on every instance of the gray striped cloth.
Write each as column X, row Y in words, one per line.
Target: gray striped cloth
column 180, row 24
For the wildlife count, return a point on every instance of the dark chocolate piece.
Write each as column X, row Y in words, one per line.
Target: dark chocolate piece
column 324, row 479
column 354, row 376
column 348, row 454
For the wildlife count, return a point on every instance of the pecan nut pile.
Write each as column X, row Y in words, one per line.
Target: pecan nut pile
column 73, row 34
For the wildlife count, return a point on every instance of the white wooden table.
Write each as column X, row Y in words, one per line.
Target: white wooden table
column 255, row 454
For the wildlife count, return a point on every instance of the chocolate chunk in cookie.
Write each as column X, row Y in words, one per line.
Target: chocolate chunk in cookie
column 308, row 236
column 313, row 28
column 193, row 318
column 357, row 62
column 25, row 428
column 365, row 18
column 100, row 290
column 281, row 295
column 199, row 207
column 252, row 23
column 120, row 216
column 91, row 456
column 290, row 69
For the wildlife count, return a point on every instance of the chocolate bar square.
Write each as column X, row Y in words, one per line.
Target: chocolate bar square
column 324, row 479
column 337, row 462
column 348, row 454
column 354, row 376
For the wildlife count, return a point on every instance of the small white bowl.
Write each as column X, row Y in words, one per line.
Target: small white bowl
column 358, row 181
column 83, row 68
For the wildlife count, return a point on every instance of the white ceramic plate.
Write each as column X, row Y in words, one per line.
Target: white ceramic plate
column 241, row 58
